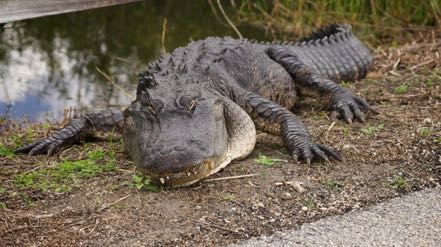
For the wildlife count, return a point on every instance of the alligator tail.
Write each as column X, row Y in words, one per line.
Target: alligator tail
column 335, row 53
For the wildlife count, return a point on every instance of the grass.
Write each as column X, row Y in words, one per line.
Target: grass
column 266, row 160
column 372, row 130
column 399, row 182
column 381, row 16
column 6, row 151
column 401, row 89
column 229, row 197
column 333, row 184
column 67, row 174
column 424, row 132
column 310, row 203
column 141, row 182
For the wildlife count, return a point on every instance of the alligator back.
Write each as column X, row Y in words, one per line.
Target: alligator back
column 335, row 53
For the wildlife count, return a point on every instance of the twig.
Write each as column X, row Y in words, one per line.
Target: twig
column 213, row 9
column 329, row 129
column 232, row 177
column 114, row 83
column 421, row 64
column 115, row 202
column 22, row 228
column 164, row 30
column 220, row 227
column 228, row 19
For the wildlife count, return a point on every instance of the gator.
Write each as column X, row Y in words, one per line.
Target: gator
column 198, row 108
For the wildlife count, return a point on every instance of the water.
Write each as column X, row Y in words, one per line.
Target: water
column 49, row 64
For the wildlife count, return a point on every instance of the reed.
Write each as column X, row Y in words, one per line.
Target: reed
column 382, row 16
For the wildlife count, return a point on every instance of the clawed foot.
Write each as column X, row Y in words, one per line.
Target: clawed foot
column 71, row 133
column 49, row 146
column 300, row 147
column 314, row 151
column 350, row 107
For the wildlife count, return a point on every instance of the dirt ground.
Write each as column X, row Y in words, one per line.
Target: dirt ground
column 394, row 153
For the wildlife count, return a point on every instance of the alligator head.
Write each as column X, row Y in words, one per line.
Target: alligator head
column 179, row 137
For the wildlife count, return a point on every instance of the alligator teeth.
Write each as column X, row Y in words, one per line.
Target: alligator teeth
column 162, row 180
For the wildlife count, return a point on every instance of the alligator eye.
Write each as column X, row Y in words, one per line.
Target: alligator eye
column 193, row 104
column 152, row 110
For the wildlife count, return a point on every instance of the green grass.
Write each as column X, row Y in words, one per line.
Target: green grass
column 229, row 197
column 424, row 132
column 310, row 203
column 333, row 184
column 438, row 139
column 6, row 151
column 401, row 89
column 372, row 130
column 381, row 16
column 399, row 182
column 266, row 160
column 142, row 182
column 67, row 174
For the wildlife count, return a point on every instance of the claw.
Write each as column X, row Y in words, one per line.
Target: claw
column 308, row 161
column 295, row 158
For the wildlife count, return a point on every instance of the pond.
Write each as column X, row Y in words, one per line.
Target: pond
column 50, row 64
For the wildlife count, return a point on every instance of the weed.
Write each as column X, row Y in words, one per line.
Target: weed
column 229, row 197
column 2, row 190
column 2, row 205
column 399, row 182
column 141, row 182
column 266, row 161
column 372, row 130
column 333, row 184
column 66, row 174
column 403, row 88
column 46, row 125
column 6, row 151
column 438, row 139
column 424, row 132
column 345, row 84
column 310, row 203
column 429, row 82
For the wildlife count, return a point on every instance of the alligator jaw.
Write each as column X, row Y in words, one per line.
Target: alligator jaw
column 187, row 177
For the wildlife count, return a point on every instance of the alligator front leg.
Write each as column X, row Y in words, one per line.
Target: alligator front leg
column 275, row 119
column 74, row 131
column 344, row 103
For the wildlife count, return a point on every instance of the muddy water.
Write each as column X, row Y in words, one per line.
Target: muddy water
column 49, row 64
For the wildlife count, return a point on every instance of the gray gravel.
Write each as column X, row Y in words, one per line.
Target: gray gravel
column 412, row 220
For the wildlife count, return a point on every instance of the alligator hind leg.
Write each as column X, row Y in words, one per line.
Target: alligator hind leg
column 343, row 102
column 75, row 131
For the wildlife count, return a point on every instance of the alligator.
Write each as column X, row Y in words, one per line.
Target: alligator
column 198, row 108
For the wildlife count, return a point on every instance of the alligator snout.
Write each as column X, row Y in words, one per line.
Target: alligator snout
column 179, row 168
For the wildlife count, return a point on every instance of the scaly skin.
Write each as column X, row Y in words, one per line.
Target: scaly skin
column 197, row 108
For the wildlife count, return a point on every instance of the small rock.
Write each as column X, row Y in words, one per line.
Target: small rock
column 427, row 120
column 287, row 196
column 298, row 186
column 198, row 207
column 304, row 209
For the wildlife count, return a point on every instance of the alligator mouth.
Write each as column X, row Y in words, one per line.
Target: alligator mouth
column 185, row 177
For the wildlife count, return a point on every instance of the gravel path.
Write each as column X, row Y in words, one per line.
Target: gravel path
column 412, row 220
